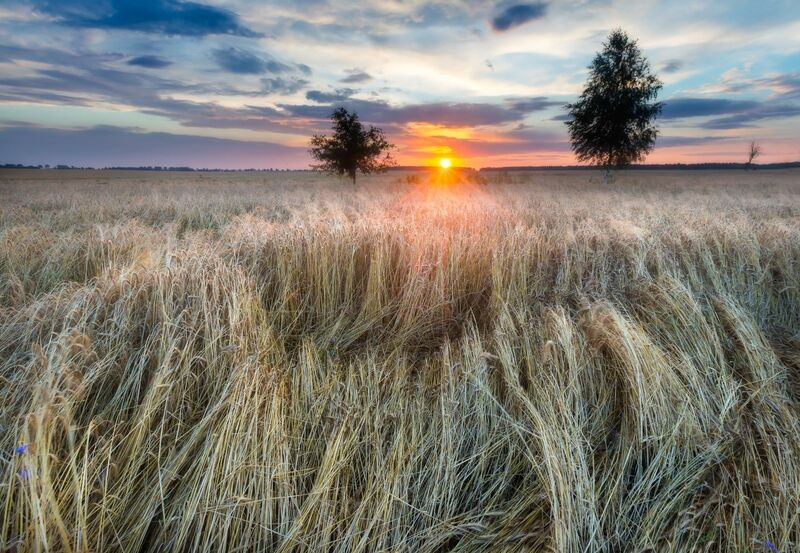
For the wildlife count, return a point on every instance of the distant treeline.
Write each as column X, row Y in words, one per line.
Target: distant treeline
column 644, row 167
column 654, row 167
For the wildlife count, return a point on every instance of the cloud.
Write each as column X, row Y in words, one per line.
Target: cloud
column 786, row 85
column 518, row 14
column 437, row 113
column 780, row 85
column 114, row 146
column 170, row 17
column 340, row 95
column 243, row 62
column 670, row 141
column 150, row 62
column 672, row 66
column 737, row 113
column 55, row 57
column 450, row 114
column 77, row 85
column 356, row 76
column 279, row 85
column 747, row 118
column 529, row 105
column 679, row 108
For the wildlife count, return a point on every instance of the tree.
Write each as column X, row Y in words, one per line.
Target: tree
column 612, row 123
column 753, row 153
column 351, row 148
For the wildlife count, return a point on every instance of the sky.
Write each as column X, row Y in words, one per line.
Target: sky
column 239, row 84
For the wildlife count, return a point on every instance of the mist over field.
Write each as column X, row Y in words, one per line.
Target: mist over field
column 425, row 361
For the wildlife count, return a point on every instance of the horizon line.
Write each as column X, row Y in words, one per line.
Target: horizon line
column 710, row 165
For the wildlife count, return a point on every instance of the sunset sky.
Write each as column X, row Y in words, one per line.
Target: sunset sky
column 235, row 84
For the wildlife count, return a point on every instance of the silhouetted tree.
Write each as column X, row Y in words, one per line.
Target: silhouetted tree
column 612, row 123
column 753, row 153
column 351, row 148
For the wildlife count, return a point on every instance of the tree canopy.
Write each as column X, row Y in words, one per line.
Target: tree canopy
column 351, row 148
column 612, row 123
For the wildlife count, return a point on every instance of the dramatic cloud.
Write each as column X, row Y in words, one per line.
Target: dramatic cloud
column 436, row 113
column 151, row 62
column 171, row 17
column 243, row 62
column 83, row 86
column 518, row 14
column 463, row 77
column 356, row 76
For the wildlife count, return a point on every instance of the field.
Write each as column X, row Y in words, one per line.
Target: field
column 503, row 362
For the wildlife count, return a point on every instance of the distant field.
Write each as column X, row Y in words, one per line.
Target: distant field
column 422, row 362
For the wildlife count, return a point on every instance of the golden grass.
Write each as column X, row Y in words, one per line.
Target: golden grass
column 283, row 362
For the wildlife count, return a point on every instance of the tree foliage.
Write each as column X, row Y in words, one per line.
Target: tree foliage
column 612, row 123
column 351, row 148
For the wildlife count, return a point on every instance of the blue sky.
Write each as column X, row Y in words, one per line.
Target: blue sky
column 243, row 84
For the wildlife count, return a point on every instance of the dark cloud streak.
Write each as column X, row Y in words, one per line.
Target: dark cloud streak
column 732, row 114
column 356, row 76
column 150, row 62
column 169, row 17
column 236, row 60
column 437, row 113
column 672, row 66
column 518, row 14
column 530, row 105
column 679, row 108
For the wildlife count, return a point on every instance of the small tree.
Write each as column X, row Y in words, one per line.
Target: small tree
column 351, row 148
column 612, row 123
column 752, row 154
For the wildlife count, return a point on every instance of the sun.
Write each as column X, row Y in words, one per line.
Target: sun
column 445, row 163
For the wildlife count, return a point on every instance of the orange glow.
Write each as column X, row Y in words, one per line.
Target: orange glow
column 445, row 163
column 430, row 130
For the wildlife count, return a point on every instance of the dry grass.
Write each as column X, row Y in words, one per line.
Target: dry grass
column 286, row 363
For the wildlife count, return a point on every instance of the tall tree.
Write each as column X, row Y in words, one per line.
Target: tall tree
column 351, row 148
column 753, row 152
column 612, row 123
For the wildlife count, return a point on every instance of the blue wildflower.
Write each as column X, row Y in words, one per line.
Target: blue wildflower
column 771, row 546
column 24, row 473
column 21, row 449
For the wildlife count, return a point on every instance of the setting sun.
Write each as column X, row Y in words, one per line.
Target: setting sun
column 445, row 163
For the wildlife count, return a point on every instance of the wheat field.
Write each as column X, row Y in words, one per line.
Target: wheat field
column 478, row 362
